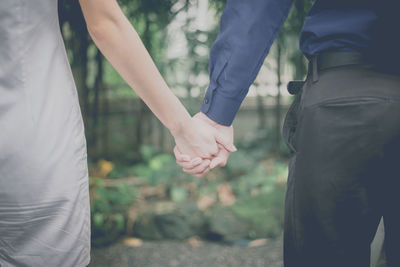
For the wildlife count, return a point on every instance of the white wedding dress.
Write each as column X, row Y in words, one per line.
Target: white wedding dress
column 44, row 196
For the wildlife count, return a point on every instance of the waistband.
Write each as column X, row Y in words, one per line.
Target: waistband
column 327, row 60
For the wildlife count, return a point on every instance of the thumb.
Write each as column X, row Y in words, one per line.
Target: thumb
column 216, row 162
column 225, row 142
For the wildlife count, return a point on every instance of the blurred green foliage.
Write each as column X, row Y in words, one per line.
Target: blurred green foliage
column 257, row 184
column 109, row 206
column 255, row 175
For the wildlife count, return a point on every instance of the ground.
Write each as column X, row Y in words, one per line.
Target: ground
column 192, row 253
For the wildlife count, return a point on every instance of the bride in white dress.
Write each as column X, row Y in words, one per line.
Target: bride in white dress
column 44, row 199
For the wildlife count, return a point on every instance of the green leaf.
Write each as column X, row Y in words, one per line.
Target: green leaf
column 98, row 220
column 120, row 220
column 147, row 152
column 179, row 194
column 159, row 161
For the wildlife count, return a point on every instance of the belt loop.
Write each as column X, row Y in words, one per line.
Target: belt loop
column 314, row 69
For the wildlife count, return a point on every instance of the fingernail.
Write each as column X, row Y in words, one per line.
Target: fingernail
column 197, row 161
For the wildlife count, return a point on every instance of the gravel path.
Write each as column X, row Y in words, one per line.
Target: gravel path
column 188, row 254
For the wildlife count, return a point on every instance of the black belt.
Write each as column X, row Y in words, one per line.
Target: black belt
column 325, row 61
column 329, row 60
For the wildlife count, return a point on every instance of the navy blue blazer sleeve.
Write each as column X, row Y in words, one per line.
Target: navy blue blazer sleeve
column 248, row 28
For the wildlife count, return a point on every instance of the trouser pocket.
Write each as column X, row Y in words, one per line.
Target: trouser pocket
column 291, row 121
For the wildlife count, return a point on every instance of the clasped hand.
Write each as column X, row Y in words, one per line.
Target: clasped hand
column 203, row 145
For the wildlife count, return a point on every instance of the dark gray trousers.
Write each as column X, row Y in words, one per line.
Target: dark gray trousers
column 343, row 130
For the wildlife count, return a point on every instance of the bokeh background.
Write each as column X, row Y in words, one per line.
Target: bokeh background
column 142, row 206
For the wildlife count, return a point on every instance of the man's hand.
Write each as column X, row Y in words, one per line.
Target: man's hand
column 199, row 167
column 198, row 145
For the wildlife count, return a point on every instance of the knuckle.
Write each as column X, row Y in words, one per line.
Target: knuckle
column 206, row 155
column 201, row 170
column 197, row 170
column 185, row 166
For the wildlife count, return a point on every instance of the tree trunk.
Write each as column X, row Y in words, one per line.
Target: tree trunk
column 300, row 66
column 97, row 88
column 261, row 112
column 278, row 97
column 105, row 124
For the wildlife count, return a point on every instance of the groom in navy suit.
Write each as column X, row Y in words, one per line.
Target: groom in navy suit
column 343, row 128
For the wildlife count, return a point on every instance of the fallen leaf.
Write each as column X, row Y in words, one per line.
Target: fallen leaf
column 194, row 242
column 133, row 242
column 258, row 243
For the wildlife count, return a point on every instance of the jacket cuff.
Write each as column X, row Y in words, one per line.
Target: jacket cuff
column 219, row 108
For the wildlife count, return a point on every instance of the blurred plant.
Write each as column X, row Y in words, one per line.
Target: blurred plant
column 263, row 211
column 251, row 188
column 240, row 163
column 157, row 168
column 105, row 167
column 109, row 206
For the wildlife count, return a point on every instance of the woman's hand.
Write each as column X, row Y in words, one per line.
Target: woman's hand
column 199, row 141
column 196, row 166
column 196, row 138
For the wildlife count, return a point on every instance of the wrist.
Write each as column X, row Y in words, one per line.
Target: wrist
column 205, row 118
column 178, row 125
